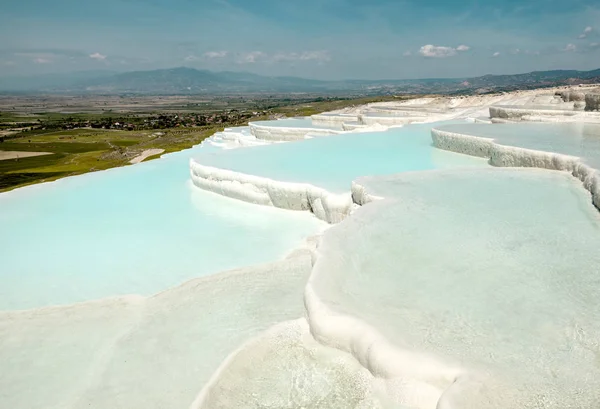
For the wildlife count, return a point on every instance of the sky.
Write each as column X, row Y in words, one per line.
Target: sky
column 322, row 39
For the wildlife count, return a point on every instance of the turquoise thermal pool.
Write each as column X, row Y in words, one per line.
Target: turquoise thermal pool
column 333, row 162
column 134, row 230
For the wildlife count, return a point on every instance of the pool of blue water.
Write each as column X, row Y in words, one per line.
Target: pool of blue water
column 332, row 162
column 133, row 230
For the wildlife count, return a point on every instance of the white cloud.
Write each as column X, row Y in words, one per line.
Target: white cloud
column 320, row 56
column 594, row 45
column 215, row 54
column 407, row 53
column 435, row 51
column 586, row 31
column 251, row 57
column 496, row 54
column 41, row 60
column 98, row 57
column 518, row 51
column 570, row 48
column 190, row 58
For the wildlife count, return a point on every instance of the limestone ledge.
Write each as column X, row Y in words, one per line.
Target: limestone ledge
column 327, row 206
column 274, row 133
column 515, row 113
column 513, row 156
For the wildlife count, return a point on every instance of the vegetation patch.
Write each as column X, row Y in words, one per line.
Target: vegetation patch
column 10, row 180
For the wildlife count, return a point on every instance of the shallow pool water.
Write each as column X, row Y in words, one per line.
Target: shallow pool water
column 148, row 353
column 134, row 230
column 492, row 273
column 332, row 162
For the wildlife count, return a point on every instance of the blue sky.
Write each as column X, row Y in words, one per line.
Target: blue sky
column 327, row 39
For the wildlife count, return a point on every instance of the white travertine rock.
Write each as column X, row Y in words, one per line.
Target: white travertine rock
column 272, row 133
column 485, row 313
column 325, row 205
column 329, row 119
column 232, row 138
column 592, row 102
column 143, row 352
column 572, row 95
column 285, row 367
column 389, row 120
column 352, row 126
column 573, row 113
column 513, row 156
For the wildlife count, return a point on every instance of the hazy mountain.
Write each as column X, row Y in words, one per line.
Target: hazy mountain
column 536, row 78
column 191, row 81
column 50, row 81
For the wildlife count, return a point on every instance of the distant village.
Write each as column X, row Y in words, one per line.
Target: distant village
column 162, row 121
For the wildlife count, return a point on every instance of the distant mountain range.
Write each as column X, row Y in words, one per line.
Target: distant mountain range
column 178, row 81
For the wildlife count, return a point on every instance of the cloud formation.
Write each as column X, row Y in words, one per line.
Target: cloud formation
column 496, row 54
column 251, row 57
column 321, row 56
column 570, row 48
column 215, row 54
column 436, row 51
column 586, row 31
column 97, row 57
column 284, row 38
